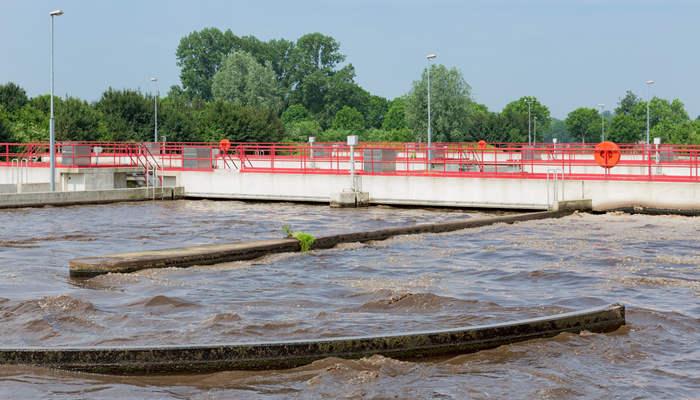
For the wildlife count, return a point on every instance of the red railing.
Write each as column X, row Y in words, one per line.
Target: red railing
column 498, row 160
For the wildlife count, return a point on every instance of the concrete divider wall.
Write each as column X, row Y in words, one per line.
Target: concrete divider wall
column 87, row 197
column 294, row 353
column 219, row 253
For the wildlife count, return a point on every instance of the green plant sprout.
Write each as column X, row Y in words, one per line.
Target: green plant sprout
column 306, row 240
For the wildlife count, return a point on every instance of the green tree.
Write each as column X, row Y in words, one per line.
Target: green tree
column 394, row 135
column 299, row 131
column 324, row 93
column 557, row 129
column 77, row 120
column 584, row 124
column 243, row 81
column 627, row 125
column 278, row 52
column 377, row 108
column 199, row 56
column 5, row 130
column 177, row 119
column 295, row 113
column 12, row 97
column 395, row 117
column 515, row 119
column 314, row 52
column 31, row 122
column 685, row 132
column 450, row 101
column 349, row 119
column 128, row 115
column 483, row 124
column 221, row 119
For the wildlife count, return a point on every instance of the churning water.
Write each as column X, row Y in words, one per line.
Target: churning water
column 475, row 276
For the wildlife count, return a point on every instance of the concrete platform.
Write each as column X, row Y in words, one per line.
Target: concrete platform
column 219, row 253
column 294, row 353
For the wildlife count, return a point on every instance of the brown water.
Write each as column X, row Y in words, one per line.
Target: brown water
column 496, row 273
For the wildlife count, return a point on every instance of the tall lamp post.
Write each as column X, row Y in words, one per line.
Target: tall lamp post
column 649, row 83
column 534, row 131
column 430, row 57
column 529, row 124
column 602, row 122
column 52, row 120
column 155, row 112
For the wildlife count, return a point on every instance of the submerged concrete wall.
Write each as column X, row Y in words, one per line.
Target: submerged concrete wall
column 87, row 197
column 219, row 253
column 289, row 354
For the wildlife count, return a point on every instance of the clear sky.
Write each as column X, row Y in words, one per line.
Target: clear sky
column 568, row 53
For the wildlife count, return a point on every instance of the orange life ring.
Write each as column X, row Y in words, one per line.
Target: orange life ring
column 482, row 144
column 607, row 154
column 224, row 145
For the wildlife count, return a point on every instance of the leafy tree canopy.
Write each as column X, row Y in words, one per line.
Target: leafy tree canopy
column 584, row 124
column 450, row 102
column 348, row 118
column 12, row 97
column 395, row 117
column 243, row 81
column 516, row 121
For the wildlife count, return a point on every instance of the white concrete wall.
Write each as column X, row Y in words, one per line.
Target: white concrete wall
column 414, row 190
column 441, row 191
column 13, row 175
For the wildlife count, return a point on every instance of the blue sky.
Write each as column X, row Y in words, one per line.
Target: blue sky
column 568, row 53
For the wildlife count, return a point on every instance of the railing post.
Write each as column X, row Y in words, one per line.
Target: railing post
column 272, row 157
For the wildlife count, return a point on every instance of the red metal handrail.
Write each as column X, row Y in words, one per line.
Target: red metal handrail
column 668, row 162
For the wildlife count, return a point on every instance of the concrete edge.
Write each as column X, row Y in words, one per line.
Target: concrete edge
column 290, row 354
column 241, row 197
column 325, row 242
column 61, row 199
column 219, row 253
column 641, row 209
column 372, row 201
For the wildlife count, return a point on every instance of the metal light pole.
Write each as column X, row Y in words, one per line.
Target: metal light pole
column 602, row 122
column 529, row 112
column 430, row 57
column 649, row 83
column 155, row 106
column 52, row 119
column 534, row 131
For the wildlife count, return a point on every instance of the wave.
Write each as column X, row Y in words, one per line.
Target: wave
column 162, row 301
column 50, row 304
column 418, row 302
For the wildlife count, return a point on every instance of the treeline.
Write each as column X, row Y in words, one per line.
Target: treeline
column 246, row 89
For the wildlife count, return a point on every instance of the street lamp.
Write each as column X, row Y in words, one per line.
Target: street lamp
column 155, row 113
column 649, row 83
column 529, row 124
column 534, row 131
column 430, row 57
column 602, row 122
column 52, row 120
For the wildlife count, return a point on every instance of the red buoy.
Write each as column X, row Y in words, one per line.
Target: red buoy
column 224, row 145
column 607, row 154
